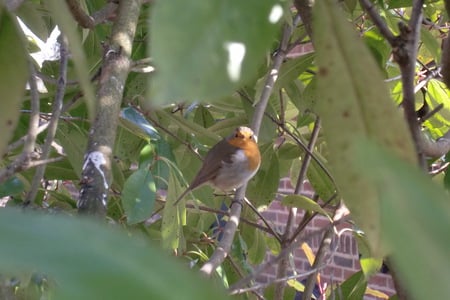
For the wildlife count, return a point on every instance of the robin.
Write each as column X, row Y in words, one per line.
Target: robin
column 230, row 163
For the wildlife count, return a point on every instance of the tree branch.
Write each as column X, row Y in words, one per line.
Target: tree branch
column 304, row 8
column 96, row 175
column 236, row 206
column 235, row 288
column 446, row 52
column 288, row 234
column 378, row 21
column 53, row 123
column 98, row 17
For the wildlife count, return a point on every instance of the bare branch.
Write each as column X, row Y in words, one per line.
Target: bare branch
column 96, row 172
column 262, row 268
column 83, row 19
column 56, row 112
column 405, row 55
column 446, row 52
column 12, row 5
column 378, row 21
column 288, row 234
column 86, row 21
column 304, row 8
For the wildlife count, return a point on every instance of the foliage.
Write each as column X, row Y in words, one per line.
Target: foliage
column 197, row 71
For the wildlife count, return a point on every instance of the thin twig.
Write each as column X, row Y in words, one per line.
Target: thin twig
column 90, row 21
column 287, row 236
column 407, row 58
column 53, row 124
column 378, row 21
column 262, row 268
column 264, row 220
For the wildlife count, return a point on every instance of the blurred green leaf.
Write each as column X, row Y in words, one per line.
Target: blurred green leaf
column 11, row 186
column 89, row 261
column 351, row 108
column 138, row 195
column 203, row 117
column 220, row 47
column 13, row 75
column 415, row 215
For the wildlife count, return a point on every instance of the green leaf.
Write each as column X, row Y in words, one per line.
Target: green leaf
column 203, row 117
column 415, row 214
column 303, row 202
column 160, row 168
column 262, row 189
column 13, row 75
column 350, row 109
column 10, row 187
column 211, row 48
column 192, row 128
column 74, row 140
column 174, row 216
column 432, row 44
column 90, row 261
column 138, row 196
column 292, row 69
column 64, row 19
column 370, row 265
column 353, row 288
column 136, row 123
column 399, row 3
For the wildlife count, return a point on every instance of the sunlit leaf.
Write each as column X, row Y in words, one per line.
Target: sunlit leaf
column 303, row 202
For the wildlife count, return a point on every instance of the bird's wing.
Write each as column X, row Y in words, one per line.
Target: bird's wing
column 211, row 164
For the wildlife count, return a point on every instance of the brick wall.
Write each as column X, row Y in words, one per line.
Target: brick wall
column 345, row 259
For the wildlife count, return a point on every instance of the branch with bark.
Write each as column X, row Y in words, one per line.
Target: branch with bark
column 96, row 172
column 405, row 47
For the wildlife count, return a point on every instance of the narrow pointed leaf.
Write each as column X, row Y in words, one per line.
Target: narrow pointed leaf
column 13, row 75
column 350, row 108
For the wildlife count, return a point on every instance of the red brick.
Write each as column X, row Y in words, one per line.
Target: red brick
column 343, row 261
column 320, row 221
column 378, row 280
